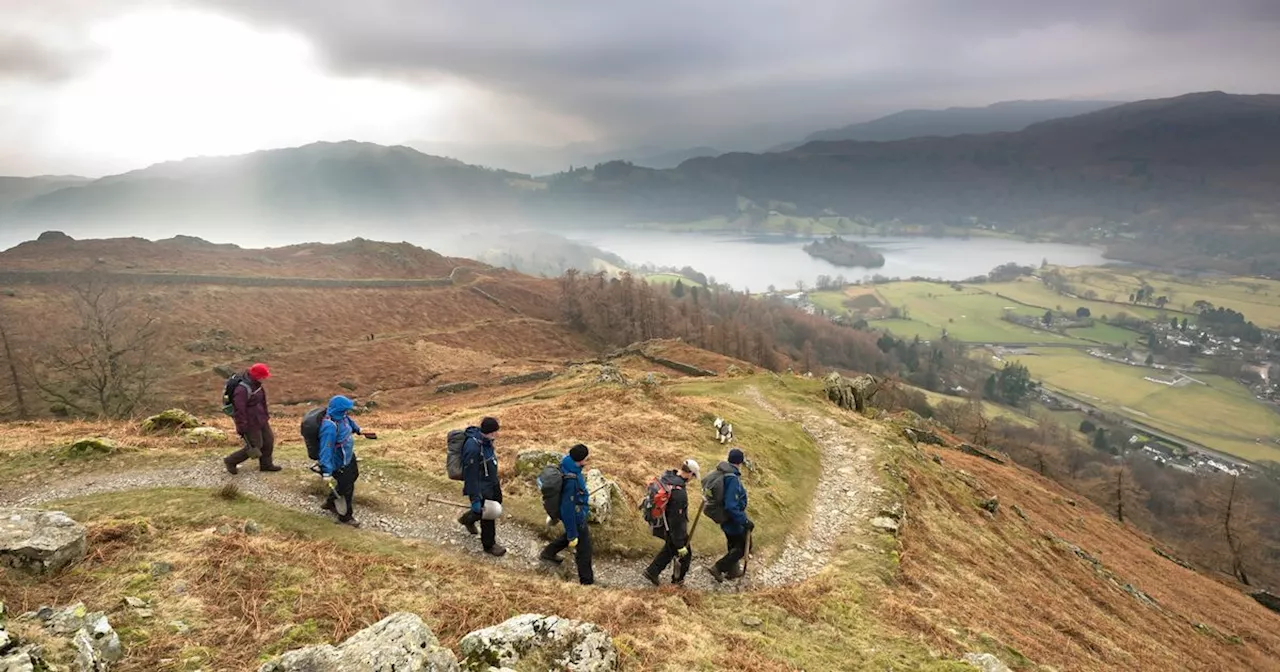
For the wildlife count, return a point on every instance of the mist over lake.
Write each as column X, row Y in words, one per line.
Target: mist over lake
column 747, row 262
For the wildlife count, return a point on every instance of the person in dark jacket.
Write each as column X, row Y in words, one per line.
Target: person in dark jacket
column 675, row 529
column 575, row 506
column 737, row 525
column 480, row 482
column 252, row 419
column 338, row 464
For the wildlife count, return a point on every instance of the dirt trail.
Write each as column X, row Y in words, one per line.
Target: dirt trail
column 846, row 488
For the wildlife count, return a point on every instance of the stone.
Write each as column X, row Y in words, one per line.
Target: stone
column 986, row 662
column 97, row 644
column 252, row 527
column 1268, row 600
column 530, row 462
column 135, row 602
column 205, row 435
column 555, row 643
column 160, row 568
column 752, row 622
column 5, row 640
column 17, row 661
column 991, row 504
column 170, row 421
column 91, row 446
column 601, row 500
column 1018, row 510
column 399, row 642
column 144, row 613
column 885, row 524
column 39, row 541
column 68, row 619
column 852, row 395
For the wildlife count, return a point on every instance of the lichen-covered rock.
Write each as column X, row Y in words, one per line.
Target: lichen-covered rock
column 171, row 421
column 849, row 394
column 90, row 446
column 538, row 642
column 602, row 496
column 205, row 435
column 400, row 642
column 17, row 661
column 530, row 462
column 97, row 644
column 986, row 662
column 39, row 541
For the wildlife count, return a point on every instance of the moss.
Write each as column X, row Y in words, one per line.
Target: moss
column 170, row 421
column 90, row 447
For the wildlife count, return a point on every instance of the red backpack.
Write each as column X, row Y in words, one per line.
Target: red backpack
column 654, row 504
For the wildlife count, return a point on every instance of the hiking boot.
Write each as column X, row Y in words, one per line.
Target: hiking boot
column 551, row 558
column 231, row 466
column 465, row 521
column 496, row 550
column 350, row 521
column 652, row 579
column 329, row 506
column 716, row 574
column 271, row 467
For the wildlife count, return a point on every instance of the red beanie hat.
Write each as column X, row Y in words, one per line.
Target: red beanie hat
column 259, row 371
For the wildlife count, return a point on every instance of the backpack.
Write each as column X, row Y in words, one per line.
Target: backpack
column 654, row 504
column 551, row 484
column 453, row 453
column 229, row 390
column 713, row 497
column 311, row 431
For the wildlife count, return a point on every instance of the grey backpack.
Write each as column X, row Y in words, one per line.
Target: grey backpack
column 713, row 497
column 453, row 455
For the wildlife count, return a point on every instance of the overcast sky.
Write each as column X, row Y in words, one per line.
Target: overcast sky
column 93, row 87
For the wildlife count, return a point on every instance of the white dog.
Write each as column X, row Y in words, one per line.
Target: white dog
column 724, row 431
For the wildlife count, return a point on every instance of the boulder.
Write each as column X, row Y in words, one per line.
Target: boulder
column 90, row 446
column 19, row 660
column 851, row 395
column 986, row 662
column 170, row 421
column 1268, row 600
column 39, row 541
column 537, row 642
column 400, row 642
column 97, row 644
column 530, row 462
column 205, row 435
column 601, row 501
column 885, row 524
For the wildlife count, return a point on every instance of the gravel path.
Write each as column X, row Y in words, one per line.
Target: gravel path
column 846, row 481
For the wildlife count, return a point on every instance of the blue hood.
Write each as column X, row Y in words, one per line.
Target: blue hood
column 568, row 466
column 339, row 405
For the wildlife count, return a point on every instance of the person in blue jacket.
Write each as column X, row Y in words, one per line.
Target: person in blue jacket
column 480, row 482
column 574, row 508
column 737, row 525
column 338, row 464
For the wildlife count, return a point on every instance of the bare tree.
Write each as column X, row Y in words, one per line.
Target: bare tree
column 1236, row 528
column 11, row 362
column 104, row 363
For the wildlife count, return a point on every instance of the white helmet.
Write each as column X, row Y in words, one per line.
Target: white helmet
column 691, row 465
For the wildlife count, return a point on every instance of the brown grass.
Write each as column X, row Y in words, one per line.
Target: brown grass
column 1007, row 588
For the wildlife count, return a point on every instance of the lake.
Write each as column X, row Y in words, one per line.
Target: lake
column 755, row 262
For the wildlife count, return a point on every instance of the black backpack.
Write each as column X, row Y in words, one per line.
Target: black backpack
column 311, row 431
column 713, row 497
column 551, row 485
column 229, row 390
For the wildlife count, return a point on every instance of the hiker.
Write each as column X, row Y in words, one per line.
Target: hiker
column 249, row 403
column 338, row 464
column 674, row 525
column 480, row 482
column 575, row 506
column 727, row 504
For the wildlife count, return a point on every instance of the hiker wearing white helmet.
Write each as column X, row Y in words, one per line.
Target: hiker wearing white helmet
column 666, row 508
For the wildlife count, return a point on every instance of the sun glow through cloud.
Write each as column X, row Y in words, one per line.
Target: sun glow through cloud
column 184, row 83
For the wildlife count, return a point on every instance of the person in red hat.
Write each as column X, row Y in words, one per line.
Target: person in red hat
column 253, row 423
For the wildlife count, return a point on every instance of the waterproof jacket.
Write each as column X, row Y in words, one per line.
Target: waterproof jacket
column 575, row 503
column 337, row 436
column 249, row 405
column 480, row 468
column 735, row 500
column 677, row 512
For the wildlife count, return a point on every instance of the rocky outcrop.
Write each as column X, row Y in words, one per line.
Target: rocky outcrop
column 205, row 435
column 601, row 501
column 450, row 388
column 534, row 377
column 39, row 541
column 170, row 421
column 986, row 662
column 400, row 642
column 95, row 642
column 849, row 394
column 530, row 462
column 537, row 642
column 1268, row 600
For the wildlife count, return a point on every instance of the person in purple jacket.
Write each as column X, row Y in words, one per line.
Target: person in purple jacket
column 253, row 421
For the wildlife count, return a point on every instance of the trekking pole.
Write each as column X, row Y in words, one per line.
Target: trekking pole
column 696, row 517
column 746, row 558
column 445, row 501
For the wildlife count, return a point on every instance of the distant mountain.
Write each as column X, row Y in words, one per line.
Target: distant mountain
column 673, row 158
column 344, row 181
column 1012, row 115
column 540, row 160
column 14, row 189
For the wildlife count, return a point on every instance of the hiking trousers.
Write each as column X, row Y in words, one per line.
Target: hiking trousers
column 345, row 487
column 488, row 528
column 731, row 563
column 259, row 443
column 668, row 553
column 582, row 556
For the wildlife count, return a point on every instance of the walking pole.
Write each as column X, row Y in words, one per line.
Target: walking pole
column 692, row 528
column 445, row 501
column 746, row 558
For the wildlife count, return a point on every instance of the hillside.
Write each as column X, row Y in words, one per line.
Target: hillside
column 1013, row 115
column 14, row 189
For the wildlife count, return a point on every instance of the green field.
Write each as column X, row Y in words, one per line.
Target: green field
column 967, row 315
column 1221, row 414
column 1032, row 291
column 670, row 279
column 1257, row 298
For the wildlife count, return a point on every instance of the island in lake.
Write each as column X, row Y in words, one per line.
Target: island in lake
column 843, row 252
